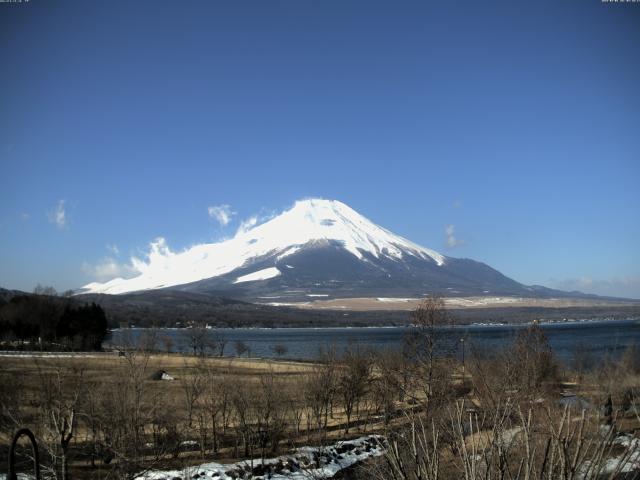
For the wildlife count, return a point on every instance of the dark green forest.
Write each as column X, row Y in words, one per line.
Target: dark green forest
column 50, row 322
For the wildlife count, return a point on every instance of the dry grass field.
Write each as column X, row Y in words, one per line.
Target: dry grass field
column 100, row 371
column 211, row 407
column 112, row 416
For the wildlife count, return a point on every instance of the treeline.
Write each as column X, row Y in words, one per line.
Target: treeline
column 46, row 321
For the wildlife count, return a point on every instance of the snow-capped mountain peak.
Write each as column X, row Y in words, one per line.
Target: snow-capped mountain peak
column 317, row 219
column 308, row 222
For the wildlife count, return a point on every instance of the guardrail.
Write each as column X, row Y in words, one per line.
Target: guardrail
column 39, row 353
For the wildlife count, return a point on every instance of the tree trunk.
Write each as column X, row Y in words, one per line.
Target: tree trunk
column 215, row 433
column 63, row 461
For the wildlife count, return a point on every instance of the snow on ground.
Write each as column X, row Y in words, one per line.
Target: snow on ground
column 388, row 300
column 627, row 461
column 263, row 274
column 286, row 304
column 480, row 301
column 303, row 463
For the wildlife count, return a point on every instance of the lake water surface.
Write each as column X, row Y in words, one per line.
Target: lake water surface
column 599, row 339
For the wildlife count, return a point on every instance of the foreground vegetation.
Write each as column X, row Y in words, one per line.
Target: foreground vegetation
column 509, row 414
column 523, row 417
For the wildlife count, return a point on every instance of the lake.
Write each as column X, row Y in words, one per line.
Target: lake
column 600, row 339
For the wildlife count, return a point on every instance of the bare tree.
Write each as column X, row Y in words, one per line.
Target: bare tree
column 193, row 386
column 320, row 390
column 45, row 290
column 241, row 348
column 198, row 339
column 11, row 401
column 220, row 342
column 532, row 359
column 216, row 400
column 126, row 408
column 279, row 349
column 270, row 413
column 168, row 343
column 89, row 412
column 241, row 401
column 507, row 442
column 60, row 390
column 422, row 341
column 352, row 381
column 385, row 387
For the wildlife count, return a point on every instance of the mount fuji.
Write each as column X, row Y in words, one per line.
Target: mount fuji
column 318, row 248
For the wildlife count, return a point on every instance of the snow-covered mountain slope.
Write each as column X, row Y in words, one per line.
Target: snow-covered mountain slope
column 260, row 253
column 318, row 248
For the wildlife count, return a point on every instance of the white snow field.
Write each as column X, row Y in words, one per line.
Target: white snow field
column 307, row 221
column 263, row 274
column 304, row 463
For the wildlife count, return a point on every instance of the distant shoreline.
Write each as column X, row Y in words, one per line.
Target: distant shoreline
column 542, row 323
column 288, row 317
column 353, row 304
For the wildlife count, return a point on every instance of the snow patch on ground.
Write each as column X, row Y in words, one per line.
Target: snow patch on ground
column 286, row 253
column 288, row 304
column 302, row 463
column 263, row 274
column 627, row 461
column 480, row 301
column 391, row 300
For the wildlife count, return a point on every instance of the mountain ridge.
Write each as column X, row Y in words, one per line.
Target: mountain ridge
column 317, row 248
column 306, row 223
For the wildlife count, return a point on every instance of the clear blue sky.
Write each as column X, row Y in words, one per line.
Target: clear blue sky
column 516, row 122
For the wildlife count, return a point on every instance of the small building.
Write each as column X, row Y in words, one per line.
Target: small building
column 161, row 375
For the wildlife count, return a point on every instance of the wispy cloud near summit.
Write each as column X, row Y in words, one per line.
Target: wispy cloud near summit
column 108, row 269
column 221, row 213
column 452, row 240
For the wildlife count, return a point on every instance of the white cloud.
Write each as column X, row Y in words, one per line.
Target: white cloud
column 58, row 216
column 221, row 213
column 158, row 257
column 615, row 287
column 113, row 248
column 247, row 224
column 450, row 233
column 108, row 269
column 159, row 247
